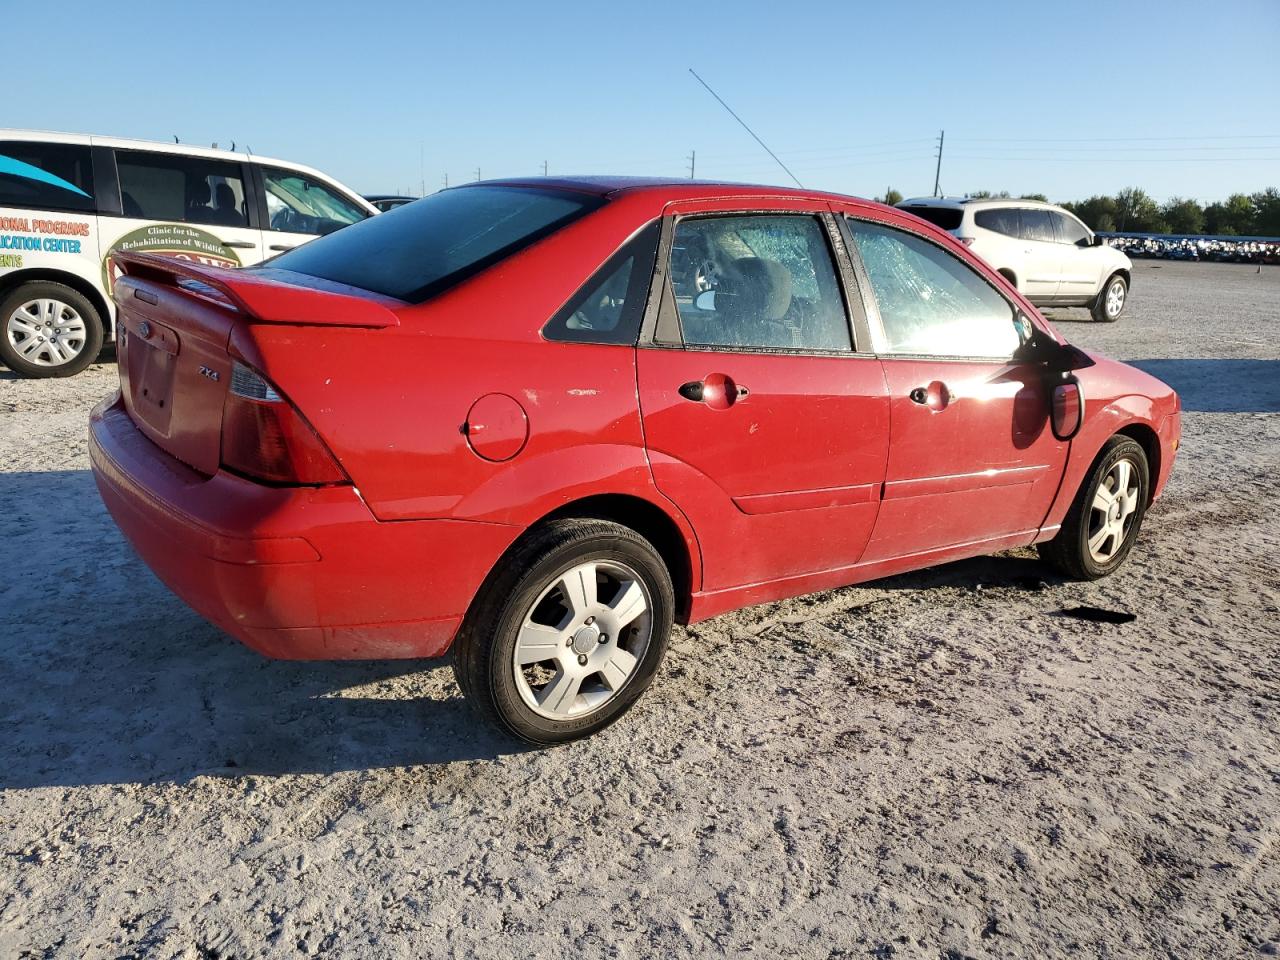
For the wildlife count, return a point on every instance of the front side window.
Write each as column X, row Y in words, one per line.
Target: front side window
column 1069, row 229
column 931, row 303
column 173, row 187
column 297, row 203
column 46, row 176
column 1003, row 220
column 1037, row 225
column 416, row 251
column 757, row 281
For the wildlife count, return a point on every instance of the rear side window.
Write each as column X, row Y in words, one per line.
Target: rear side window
column 610, row 305
column 46, row 176
column 757, row 281
column 999, row 220
column 931, row 303
column 172, row 187
column 1037, row 225
column 422, row 248
column 948, row 218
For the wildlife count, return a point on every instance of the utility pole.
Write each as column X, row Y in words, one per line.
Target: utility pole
column 937, row 176
column 693, row 160
column 446, row 181
column 477, row 173
column 422, row 169
column 544, row 168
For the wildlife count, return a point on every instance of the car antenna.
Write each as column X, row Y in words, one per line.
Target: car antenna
column 233, row 146
column 746, row 128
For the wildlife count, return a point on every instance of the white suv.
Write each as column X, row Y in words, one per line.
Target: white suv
column 1047, row 253
column 68, row 202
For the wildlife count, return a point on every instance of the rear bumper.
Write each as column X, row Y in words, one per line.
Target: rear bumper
column 297, row 573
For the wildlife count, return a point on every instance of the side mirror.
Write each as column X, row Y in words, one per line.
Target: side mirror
column 1038, row 347
column 1097, row 241
column 706, row 300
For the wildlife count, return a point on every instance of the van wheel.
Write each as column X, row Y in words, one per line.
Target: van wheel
column 50, row 330
column 1110, row 303
column 568, row 633
column 1103, row 522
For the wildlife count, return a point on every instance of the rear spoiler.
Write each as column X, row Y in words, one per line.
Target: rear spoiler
column 263, row 299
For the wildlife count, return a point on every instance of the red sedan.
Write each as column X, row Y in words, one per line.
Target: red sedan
column 539, row 421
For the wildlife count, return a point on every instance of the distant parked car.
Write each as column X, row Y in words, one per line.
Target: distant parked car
column 389, row 202
column 69, row 203
column 537, row 421
column 1045, row 251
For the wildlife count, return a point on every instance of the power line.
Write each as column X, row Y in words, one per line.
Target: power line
column 1242, row 136
column 1122, row 159
column 746, row 128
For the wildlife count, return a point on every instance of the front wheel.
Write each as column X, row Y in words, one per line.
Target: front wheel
column 1110, row 303
column 50, row 330
column 568, row 633
column 1103, row 522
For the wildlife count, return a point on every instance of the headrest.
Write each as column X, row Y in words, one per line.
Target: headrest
column 753, row 288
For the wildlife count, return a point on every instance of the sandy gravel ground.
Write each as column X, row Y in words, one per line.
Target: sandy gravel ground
column 938, row 765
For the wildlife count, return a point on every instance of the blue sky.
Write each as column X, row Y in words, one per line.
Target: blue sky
column 1067, row 99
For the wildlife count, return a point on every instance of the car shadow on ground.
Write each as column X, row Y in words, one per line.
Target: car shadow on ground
column 105, row 677
column 1220, row 386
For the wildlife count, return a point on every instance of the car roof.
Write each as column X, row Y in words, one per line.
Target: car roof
column 674, row 188
column 960, row 203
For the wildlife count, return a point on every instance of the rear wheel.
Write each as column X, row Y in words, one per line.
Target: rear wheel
column 50, row 330
column 1103, row 522
column 1110, row 303
column 568, row 633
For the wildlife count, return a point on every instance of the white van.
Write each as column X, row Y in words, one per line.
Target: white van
column 67, row 202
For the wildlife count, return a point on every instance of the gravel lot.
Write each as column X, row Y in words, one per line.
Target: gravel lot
column 938, row 765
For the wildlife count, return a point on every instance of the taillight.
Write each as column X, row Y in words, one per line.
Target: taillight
column 266, row 438
column 1068, row 409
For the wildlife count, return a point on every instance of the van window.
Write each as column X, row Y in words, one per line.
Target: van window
column 173, row 187
column 1037, row 225
column 297, row 203
column 1002, row 220
column 948, row 218
column 46, row 176
column 1069, row 229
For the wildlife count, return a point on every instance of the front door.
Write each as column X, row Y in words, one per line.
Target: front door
column 763, row 423
column 972, row 455
column 189, row 207
column 300, row 208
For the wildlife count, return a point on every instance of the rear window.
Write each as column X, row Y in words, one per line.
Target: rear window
column 948, row 218
column 422, row 248
column 47, row 176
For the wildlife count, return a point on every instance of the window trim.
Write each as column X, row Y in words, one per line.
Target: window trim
column 642, row 244
column 661, row 328
column 878, row 338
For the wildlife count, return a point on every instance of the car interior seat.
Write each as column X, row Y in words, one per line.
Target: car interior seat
column 752, row 300
column 224, row 206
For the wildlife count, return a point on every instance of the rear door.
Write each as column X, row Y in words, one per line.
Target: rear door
column 1043, row 263
column 298, row 207
column 972, row 456
column 190, row 207
column 765, row 414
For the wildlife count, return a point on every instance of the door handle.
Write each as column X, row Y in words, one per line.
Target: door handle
column 716, row 390
column 282, row 246
column 239, row 244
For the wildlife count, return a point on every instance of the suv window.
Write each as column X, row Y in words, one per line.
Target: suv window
column 999, row 219
column 948, row 218
column 47, row 176
column 1068, row 229
column 610, row 305
column 931, row 303
column 757, row 281
column 297, row 203
column 1037, row 225
column 170, row 186
column 424, row 247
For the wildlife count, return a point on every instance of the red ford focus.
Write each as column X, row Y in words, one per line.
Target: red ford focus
column 540, row 421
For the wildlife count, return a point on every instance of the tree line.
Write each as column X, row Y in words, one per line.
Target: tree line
column 1132, row 211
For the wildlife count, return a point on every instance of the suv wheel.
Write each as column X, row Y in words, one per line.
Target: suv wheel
column 1110, row 303
column 50, row 330
column 568, row 633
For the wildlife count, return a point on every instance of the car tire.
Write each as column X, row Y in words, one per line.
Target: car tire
column 568, row 631
column 31, row 310
column 1083, row 549
column 1111, row 299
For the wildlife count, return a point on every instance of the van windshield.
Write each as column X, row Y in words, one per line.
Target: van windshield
column 415, row 251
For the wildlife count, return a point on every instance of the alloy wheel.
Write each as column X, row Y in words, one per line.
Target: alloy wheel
column 1111, row 513
column 1115, row 298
